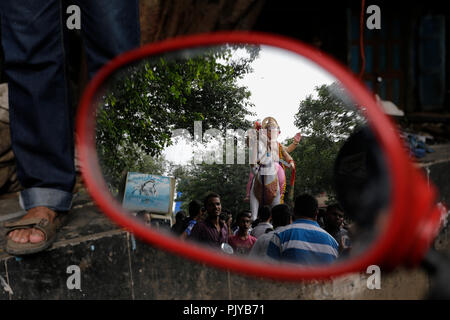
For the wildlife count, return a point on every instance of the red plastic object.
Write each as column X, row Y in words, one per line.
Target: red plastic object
column 413, row 200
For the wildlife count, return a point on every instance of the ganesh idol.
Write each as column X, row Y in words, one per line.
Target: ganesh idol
column 269, row 160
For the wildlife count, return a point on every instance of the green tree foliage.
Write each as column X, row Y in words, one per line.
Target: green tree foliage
column 330, row 115
column 326, row 121
column 144, row 102
column 314, row 160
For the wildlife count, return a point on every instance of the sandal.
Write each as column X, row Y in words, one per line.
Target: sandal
column 48, row 229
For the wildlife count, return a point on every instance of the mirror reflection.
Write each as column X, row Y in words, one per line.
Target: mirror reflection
column 248, row 150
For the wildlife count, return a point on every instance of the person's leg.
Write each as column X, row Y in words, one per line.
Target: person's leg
column 40, row 114
column 281, row 180
column 109, row 28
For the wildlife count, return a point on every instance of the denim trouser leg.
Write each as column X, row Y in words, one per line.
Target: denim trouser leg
column 40, row 113
column 108, row 28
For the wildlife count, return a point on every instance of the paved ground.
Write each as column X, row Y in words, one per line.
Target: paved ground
column 441, row 154
column 84, row 220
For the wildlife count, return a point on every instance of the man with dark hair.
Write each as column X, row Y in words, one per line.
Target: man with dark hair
column 281, row 216
column 264, row 216
column 334, row 219
column 235, row 225
column 303, row 241
column 211, row 231
column 209, row 196
column 196, row 211
column 242, row 242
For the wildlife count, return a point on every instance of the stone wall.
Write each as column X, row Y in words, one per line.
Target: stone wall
column 114, row 265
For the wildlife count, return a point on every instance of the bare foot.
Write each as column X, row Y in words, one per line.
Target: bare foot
column 32, row 235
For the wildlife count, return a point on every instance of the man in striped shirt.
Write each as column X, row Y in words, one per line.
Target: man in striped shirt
column 303, row 241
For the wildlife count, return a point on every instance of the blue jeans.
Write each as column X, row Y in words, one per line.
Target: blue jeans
column 41, row 114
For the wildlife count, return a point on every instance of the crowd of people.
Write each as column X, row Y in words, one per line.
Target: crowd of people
column 303, row 234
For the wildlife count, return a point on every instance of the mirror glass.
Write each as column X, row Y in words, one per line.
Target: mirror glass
column 254, row 146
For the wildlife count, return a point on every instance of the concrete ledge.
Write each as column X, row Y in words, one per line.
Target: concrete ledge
column 112, row 271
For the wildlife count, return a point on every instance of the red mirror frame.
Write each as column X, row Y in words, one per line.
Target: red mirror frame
column 414, row 219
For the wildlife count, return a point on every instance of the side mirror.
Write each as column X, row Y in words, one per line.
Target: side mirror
column 148, row 110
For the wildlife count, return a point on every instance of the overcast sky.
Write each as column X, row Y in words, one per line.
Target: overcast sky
column 280, row 80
